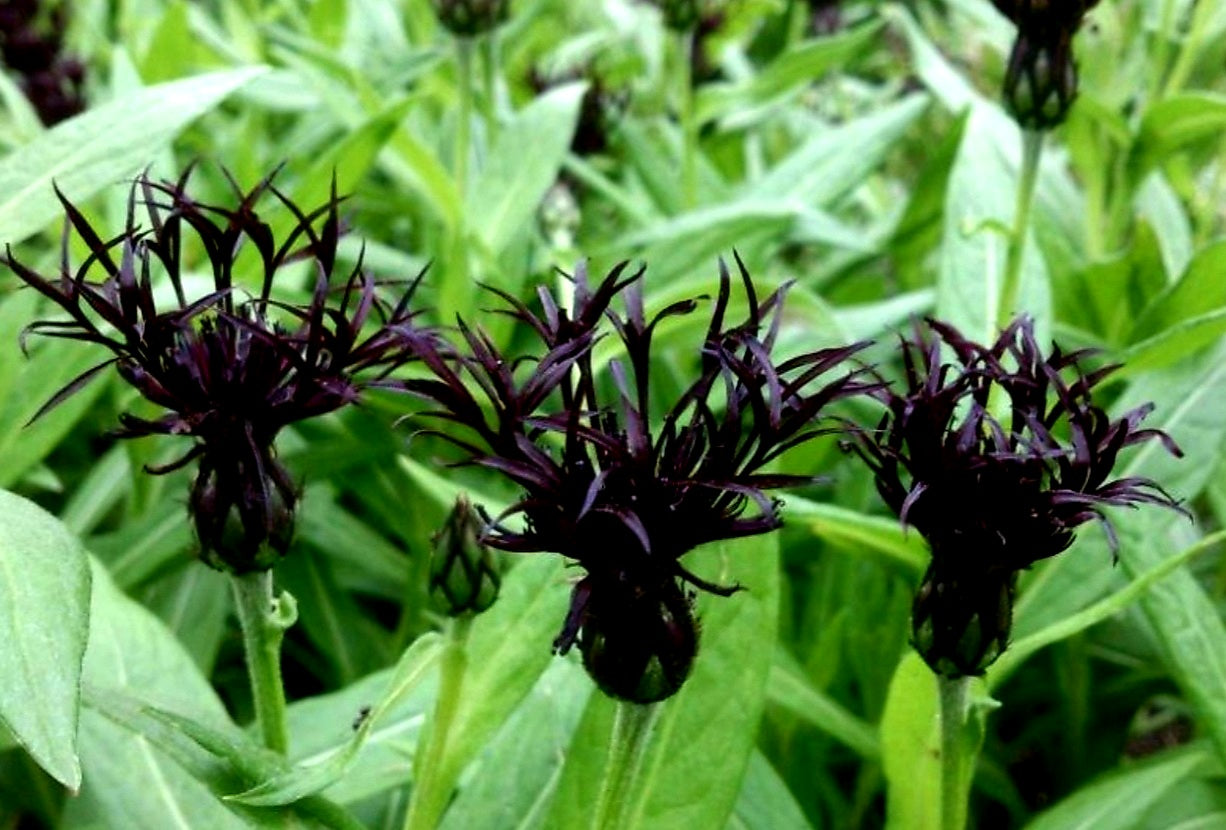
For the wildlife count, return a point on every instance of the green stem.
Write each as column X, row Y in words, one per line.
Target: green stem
column 489, row 77
column 954, row 790
column 463, row 132
column 1032, row 150
column 689, row 126
column 627, row 747
column 1161, row 53
column 432, row 780
column 264, row 618
column 1190, row 51
column 453, row 289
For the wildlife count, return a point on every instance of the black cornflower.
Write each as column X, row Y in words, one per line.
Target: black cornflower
column 992, row 497
column 825, row 17
column 1041, row 81
column 31, row 47
column 625, row 500
column 470, row 18
column 230, row 369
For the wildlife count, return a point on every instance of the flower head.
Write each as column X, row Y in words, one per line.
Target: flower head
column 625, row 500
column 470, row 18
column 229, row 369
column 1041, row 81
column 31, row 47
column 464, row 572
column 993, row 497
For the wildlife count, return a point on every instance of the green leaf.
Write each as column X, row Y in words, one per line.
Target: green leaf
column 332, row 619
column 51, row 365
column 701, row 739
column 44, row 623
column 1172, row 124
column 222, row 759
column 349, row 159
column 1200, row 289
column 508, row 649
column 509, row 646
column 765, row 802
column 516, row 775
column 323, row 726
column 1190, row 630
column 521, row 166
column 1022, row 648
column 911, row 744
column 787, row 74
column 92, row 151
column 835, row 160
column 1173, row 344
column 128, row 782
column 860, row 533
column 286, row 787
column 1120, row 799
column 790, row 690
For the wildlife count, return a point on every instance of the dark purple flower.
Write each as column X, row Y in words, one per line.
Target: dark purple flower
column 1041, row 81
column 31, row 47
column 471, row 18
column 993, row 497
column 230, row 369
column 624, row 499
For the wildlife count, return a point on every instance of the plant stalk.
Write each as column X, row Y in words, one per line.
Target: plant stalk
column 489, row 78
column 954, row 697
column 264, row 618
column 452, row 290
column 1032, row 151
column 627, row 748
column 432, row 780
column 464, row 116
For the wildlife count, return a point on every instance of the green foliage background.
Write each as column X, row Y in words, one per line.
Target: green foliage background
column 874, row 168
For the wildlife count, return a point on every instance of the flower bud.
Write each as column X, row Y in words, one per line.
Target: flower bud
column 960, row 625
column 680, row 15
column 469, row 18
column 242, row 526
column 638, row 645
column 1041, row 81
column 464, row 575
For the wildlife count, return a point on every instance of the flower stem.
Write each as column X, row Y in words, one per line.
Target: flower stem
column 432, row 781
column 1032, row 150
column 627, row 748
column 954, row 790
column 464, row 116
column 264, row 618
column 689, row 125
column 489, row 78
column 454, row 287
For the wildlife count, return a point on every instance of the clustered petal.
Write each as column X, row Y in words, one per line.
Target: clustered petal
column 622, row 498
column 993, row 496
column 229, row 369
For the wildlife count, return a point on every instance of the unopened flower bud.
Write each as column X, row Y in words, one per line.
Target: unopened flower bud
column 1041, row 81
column 469, row 18
column 464, row 575
column 239, row 531
column 960, row 623
column 638, row 645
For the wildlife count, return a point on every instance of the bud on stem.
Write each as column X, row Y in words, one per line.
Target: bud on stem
column 464, row 575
